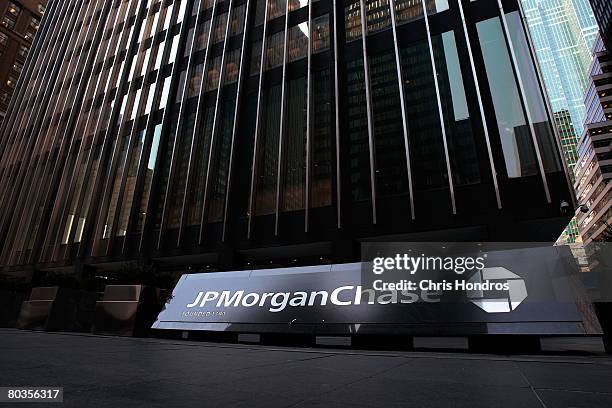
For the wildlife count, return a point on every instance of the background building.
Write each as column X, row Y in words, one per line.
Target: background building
column 603, row 14
column 224, row 135
column 19, row 22
column 564, row 32
column 594, row 169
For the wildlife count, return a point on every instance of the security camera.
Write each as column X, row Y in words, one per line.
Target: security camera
column 583, row 208
column 564, row 207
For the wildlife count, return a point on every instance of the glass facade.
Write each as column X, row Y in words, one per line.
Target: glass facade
column 156, row 128
column 563, row 33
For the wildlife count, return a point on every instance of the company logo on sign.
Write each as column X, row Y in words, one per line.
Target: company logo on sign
column 491, row 301
column 516, row 293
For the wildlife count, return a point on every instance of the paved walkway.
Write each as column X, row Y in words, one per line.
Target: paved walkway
column 98, row 371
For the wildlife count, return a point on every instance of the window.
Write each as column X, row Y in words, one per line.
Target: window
column 32, row 28
column 391, row 169
column 352, row 13
column 294, row 163
column 12, row 80
column 378, row 16
column 514, row 133
column 22, row 51
column 457, row 122
column 298, row 41
column 232, row 63
column 274, row 50
column 267, row 160
column 408, row 10
column 3, row 40
column 219, row 28
column 11, row 15
column 237, row 24
column 320, row 33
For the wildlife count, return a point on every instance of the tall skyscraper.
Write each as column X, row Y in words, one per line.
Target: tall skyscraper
column 594, row 168
column 242, row 133
column 19, row 22
column 563, row 32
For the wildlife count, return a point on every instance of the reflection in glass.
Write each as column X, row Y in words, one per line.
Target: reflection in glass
column 320, row 33
column 426, row 143
column 458, row 126
column 163, row 100
column 237, row 24
column 514, row 133
column 352, row 13
column 196, row 193
column 358, row 131
column 213, row 73
column 408, row 10
column 219, row 28
column 267, row 156
column 275, row 50
column 130, row 185
column 150, row 95
column 259, row 12
column 244, row 155
column 175, row 200
column 232, row 66
column 218, row 181
column 298, row 41
column 112, row 206
column 533, row 94
column 202, row 38
column 294, row 163
column 88, row 192
column 436, row 6
column 255, row 58
column 165, row 170
column 322, row 140
column 378, row 15
column 297, row 4
column 276, row 8
column 195, row 81
column 391, row 169
column 148, row 178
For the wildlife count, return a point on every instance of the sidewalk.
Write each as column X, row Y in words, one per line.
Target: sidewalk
column 98, row 371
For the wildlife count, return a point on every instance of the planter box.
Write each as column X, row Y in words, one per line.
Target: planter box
column 57, row 309
column 127, row 310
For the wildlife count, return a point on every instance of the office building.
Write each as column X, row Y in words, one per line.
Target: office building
column 234, row 134
column 603, row 13
column 594, row 168
column 19, row 22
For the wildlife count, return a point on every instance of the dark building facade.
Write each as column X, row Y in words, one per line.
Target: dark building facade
column 602, row 9
column 224, row 135
column 19, row 22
